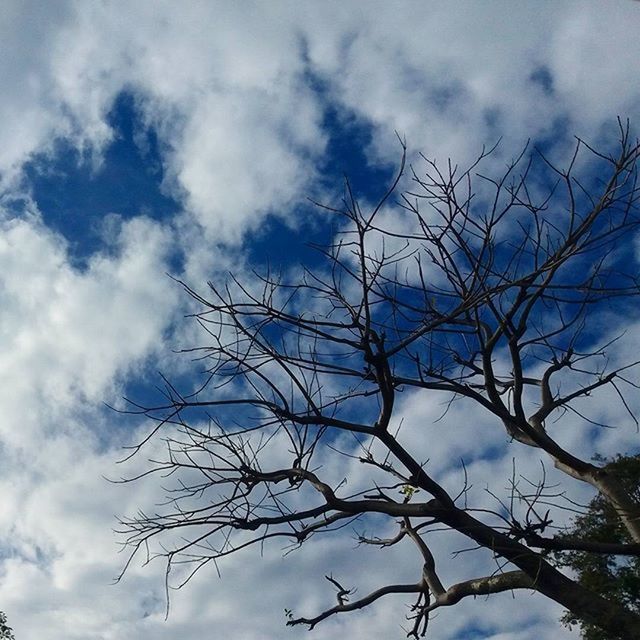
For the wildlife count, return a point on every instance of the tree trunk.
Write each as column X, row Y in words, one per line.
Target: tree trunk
column 610, row 616
column 626, row 508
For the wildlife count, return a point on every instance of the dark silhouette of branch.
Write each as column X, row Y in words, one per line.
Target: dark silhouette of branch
column 488, row 291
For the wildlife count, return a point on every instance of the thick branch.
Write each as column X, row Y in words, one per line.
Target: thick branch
column 591, row 546
column 481, row 587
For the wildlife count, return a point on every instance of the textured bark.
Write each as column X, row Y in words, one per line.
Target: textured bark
column 626, row 508
column 546, row 579
column 585, row 604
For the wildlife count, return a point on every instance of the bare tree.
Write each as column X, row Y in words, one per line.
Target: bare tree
column 493, row 293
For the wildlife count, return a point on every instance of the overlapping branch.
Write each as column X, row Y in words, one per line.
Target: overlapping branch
column 487, row 294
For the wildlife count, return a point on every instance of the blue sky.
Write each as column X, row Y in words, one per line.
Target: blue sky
column 77, row 199
column 145, row 139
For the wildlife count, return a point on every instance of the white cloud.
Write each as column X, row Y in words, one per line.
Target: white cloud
column 240, row 124
column 448, row 72
column 228, row 89
column 67, row 334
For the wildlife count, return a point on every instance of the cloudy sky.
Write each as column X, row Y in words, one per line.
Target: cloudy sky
column 144, row 138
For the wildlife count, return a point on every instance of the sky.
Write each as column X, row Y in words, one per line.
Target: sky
column 143, row 139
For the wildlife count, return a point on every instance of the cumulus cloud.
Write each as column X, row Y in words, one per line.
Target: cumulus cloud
column 75, row 332
column 240, row 123
column 237, row 95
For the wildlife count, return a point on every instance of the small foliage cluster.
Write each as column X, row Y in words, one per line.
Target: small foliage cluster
column 6, row 633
